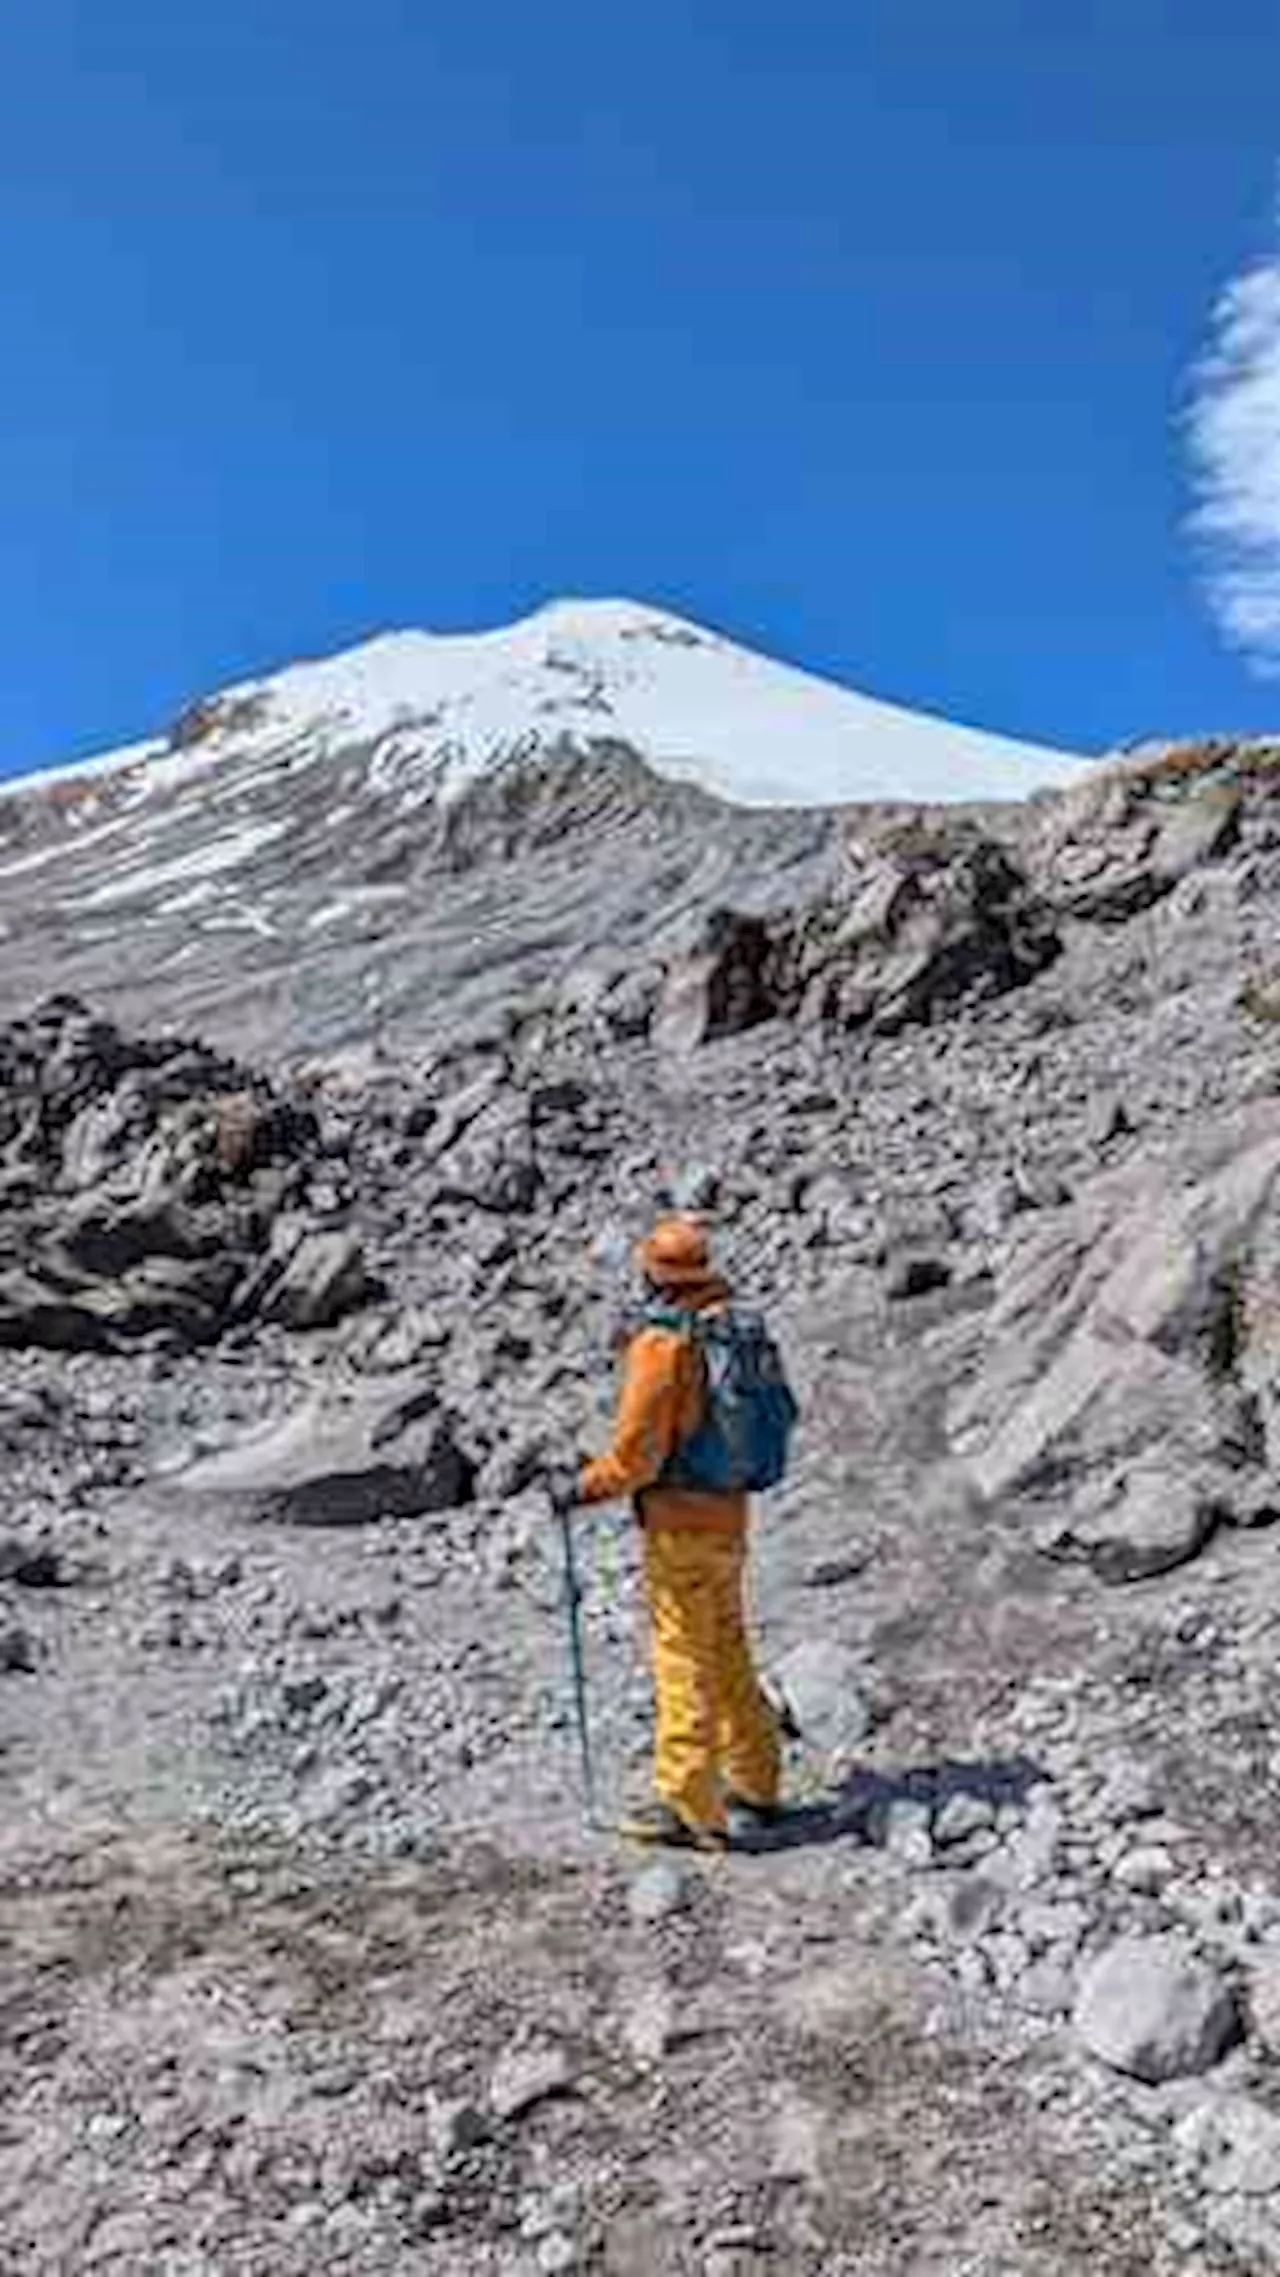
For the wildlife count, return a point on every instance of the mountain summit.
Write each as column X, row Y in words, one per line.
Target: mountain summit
column 438, row 826
column 693, row 705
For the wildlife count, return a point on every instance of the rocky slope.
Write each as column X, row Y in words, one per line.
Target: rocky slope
column 309, row 1959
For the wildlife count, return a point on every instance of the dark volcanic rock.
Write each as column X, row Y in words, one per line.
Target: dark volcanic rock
column 17, row 1652
column 344, row 1461
column 324, row 1278
column 931, row 916
column 1126, row 838
column 935, row 915
column 38, row 1567
column 143, row 1180
column 730, row 981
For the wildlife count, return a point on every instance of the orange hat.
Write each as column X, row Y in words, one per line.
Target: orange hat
column 677, row 1254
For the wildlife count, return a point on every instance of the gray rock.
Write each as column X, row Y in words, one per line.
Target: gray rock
column 916, row 1277
column 960, row 1817
column 820, row 1686
column 649, row 2022
column 723, row 986
column 1250, row 1499
column 936, row 916
column 697, row 1187
column 32, row 1565
column 1035, row 1853
column 153, row 1173
column 557, row 2255
column 833, row 1571
column 324, row 1278
column 454, row 2126
column 1115, row 848
column 17, row 1651
column 1113, row 1335
column 382, row 1347
column 1148, row 2008
column 1054, row 1924
column 1131, row 1791
column 1154, row 1520
column 1264, row 2002
column 1144, row 1872
column 974, row 1903
column 906, row 1833
column 658, row 1891
column 1045, row 1989
column 1201, row 828
column 1233, row 2143
column 336, row 1795
column 526, row 2077
column 305, row 1692
column 343, row 1462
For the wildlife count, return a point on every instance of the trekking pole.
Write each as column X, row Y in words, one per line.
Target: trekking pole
column 577, row 1661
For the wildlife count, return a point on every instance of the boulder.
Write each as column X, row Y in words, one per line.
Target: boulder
column 935, row 915
column 184, row 1301
column 108, row 1237
column 1130, row 1330
column 141, row 1179
column 819, row 1686
column 916, row 1276
column 343, row 1462
column 17, row 1652
column 725, row 984
column 630, row 1006
column 324, row 1278
column 960, row 1817
column 1126, row 838
column 31, row 1565
column 659, row 1890
column 33, row 1313
column 1152, row 1520
column 525, row 2077
column 1144, row 1872
column 1148, row 2008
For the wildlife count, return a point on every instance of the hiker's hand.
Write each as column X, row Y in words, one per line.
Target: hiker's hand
column 562, row 1485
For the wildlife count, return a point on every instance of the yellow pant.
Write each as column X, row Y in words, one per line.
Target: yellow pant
column 715, row 1731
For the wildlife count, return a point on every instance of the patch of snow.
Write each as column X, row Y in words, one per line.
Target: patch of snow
column 208, row 861
column 196, row 897
column 359, row 902
column 56, row 850
column 242, row 917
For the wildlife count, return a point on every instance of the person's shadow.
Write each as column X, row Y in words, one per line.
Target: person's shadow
column 859, row 1810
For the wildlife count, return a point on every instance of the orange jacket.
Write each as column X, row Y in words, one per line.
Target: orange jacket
column 659, row 1407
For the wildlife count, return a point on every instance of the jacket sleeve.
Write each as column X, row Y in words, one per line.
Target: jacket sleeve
column 647, row 1428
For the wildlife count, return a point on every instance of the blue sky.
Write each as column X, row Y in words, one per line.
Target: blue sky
column 861, row 332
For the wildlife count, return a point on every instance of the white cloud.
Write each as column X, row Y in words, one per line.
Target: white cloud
column 1234, row 436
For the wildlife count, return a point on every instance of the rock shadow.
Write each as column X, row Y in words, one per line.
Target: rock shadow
column 861, row 1808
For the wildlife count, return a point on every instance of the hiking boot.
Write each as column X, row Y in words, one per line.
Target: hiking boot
column 750, row 1823
column 658, row 1823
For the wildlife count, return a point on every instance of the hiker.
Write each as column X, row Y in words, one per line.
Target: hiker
column 717, row 1757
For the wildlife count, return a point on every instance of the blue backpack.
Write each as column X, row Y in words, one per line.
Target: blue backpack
column 741, row 1444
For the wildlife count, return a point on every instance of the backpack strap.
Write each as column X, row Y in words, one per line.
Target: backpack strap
column 691, row 1327
column 673, row 1317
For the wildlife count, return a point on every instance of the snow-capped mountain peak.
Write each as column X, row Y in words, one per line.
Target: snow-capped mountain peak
column 444, row 818
column 695, row 706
